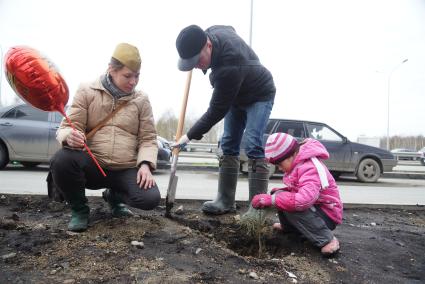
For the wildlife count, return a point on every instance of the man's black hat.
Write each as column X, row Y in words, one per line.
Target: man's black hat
column 189, row 45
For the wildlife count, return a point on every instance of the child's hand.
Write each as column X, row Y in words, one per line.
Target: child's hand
column 261, row 201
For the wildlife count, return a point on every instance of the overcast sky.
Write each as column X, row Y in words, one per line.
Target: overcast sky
column 331, row 59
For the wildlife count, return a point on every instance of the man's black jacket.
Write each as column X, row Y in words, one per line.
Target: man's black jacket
column 237, row 76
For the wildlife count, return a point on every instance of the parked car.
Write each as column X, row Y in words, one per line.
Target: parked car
column 405, row 154
column 28, row 136
column 367, row 163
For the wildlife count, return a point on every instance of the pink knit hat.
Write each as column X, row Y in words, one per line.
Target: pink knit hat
column 280, row 146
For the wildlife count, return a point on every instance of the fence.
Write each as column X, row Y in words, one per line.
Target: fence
column 415, row 156
column 201, row 147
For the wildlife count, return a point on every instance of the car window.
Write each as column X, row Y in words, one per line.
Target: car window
column 25, row 112
column 293, row 128
column 269, row 126
column 321, row 132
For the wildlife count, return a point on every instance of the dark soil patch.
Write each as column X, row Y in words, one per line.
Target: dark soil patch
column 377, row 246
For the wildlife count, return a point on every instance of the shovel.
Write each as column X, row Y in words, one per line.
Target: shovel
column 172, row 183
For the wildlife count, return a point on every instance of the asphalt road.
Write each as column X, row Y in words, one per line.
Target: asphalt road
column 194, row 184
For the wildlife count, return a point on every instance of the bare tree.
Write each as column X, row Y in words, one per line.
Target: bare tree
column 166, row 127
column 409, row 142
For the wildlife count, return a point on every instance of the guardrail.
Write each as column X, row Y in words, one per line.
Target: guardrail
column 415, row 156
column 201, row 147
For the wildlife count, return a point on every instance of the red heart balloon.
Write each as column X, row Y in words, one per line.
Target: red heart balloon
column 36, row 79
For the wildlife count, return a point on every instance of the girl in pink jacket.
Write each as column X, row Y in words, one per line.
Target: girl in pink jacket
column 309, row 202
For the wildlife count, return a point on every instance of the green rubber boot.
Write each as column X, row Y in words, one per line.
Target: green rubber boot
column 79, row 211
column 118, row 209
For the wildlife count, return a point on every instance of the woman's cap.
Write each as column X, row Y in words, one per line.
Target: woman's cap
column 128, row 55
column 280, row 146
column 189, row 44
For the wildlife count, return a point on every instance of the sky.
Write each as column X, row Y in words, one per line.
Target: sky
column 333, row 61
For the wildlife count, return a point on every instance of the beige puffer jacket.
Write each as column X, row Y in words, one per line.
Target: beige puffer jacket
column 126, row 140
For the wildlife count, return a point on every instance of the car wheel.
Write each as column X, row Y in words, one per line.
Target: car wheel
column 30, row 164
column 423, row 161
column 4, row 156
column 368, row 170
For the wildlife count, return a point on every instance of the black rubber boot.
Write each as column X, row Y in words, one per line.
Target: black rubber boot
column 79, row 211
column 227, row 180
column 258, row 178
column 118, row 208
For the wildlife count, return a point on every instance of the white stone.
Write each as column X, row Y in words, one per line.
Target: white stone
column 253, row 275
column 137, row 244
column 9, row 255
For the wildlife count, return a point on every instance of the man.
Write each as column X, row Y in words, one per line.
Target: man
column 243, row 94
column 125, row 146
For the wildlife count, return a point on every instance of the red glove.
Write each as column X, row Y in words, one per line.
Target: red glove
column 261, row 200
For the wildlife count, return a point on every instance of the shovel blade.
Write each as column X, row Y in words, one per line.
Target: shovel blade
column 171, row 194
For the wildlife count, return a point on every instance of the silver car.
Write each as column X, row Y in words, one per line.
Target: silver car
column 28, row 136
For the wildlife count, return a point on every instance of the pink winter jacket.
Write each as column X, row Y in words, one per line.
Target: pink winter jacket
column 304, row 186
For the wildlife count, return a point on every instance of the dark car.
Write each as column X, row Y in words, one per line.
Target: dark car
column 28, row 136
column 366, row 162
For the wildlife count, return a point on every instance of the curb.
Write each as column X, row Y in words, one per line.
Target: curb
column 405, row 175
column 212, row 168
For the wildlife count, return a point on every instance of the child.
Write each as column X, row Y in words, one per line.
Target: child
column 310, row 202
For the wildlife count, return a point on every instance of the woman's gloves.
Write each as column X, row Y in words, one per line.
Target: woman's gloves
column 261, row 201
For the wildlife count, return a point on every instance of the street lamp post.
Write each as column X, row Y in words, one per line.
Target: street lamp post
column 388, row 101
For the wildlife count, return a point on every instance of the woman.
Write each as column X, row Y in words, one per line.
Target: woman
column 125, row 147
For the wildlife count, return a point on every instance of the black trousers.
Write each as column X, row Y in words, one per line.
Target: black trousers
column 312, row 223
column 73, row 171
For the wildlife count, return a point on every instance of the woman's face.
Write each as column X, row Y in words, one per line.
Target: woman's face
column 125, row 79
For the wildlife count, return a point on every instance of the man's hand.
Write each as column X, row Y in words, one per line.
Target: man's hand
column 181, row 143
column 261, row 201
column 144, row 177
column 76, row 139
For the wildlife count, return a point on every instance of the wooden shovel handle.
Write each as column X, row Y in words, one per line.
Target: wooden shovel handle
column 183, row 110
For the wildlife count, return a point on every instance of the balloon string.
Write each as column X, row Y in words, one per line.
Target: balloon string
column 85, row 146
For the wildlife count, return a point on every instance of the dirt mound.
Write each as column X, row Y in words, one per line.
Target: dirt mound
column 378, row 246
